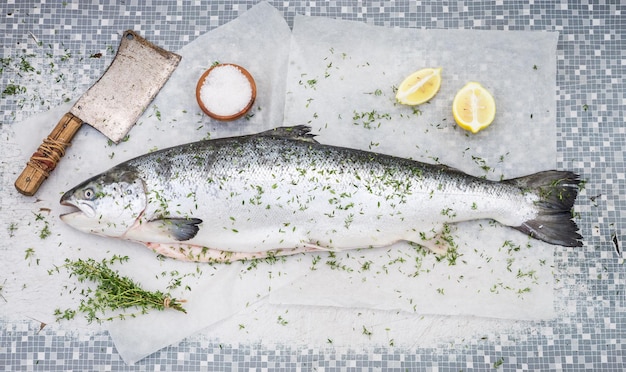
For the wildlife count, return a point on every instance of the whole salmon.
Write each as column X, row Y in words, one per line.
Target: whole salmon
column 281, row 192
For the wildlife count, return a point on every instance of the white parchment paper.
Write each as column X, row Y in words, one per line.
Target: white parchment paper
column 342, row 79
column 343, row 75
column 338, row 77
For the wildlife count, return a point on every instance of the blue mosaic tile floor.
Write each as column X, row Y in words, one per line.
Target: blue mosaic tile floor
column 75, row 41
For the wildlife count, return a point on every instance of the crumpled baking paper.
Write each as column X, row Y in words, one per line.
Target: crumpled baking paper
column 342, row 80
column 338, row 77
column 343, row 75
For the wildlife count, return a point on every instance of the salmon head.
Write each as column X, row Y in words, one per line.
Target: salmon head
column 108, row 204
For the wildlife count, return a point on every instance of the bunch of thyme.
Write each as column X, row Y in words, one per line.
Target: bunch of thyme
column 112, row 293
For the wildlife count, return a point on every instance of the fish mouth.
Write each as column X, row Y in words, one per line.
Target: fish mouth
column 78, row 209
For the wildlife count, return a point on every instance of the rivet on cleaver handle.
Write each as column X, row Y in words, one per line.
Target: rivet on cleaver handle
column 112, row 105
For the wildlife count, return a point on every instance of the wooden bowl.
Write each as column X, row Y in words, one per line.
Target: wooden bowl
column 236, row 115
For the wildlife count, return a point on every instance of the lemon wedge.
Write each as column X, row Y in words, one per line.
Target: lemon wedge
column 473, row 107
column 419, row 87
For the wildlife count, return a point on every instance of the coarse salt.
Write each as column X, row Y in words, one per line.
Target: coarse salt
column 226, row 91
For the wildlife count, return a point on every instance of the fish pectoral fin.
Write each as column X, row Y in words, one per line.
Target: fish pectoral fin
column 181, row 229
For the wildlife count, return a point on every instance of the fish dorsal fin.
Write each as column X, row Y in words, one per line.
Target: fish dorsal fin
column 298, row 132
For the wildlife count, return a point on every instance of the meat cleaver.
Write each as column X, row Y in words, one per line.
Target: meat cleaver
column 112, row 105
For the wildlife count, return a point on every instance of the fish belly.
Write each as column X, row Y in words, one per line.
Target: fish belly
column 347, row 216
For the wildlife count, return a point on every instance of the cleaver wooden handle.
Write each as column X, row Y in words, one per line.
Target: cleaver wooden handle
column 49, row 153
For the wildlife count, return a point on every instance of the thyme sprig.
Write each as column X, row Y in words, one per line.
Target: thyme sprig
column 112, row 293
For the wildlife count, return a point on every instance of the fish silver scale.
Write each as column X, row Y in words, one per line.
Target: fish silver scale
column 261, row 193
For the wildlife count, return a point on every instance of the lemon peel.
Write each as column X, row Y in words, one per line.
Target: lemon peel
column 473, row 108
column 419, row 87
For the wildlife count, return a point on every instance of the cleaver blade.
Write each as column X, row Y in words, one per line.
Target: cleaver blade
column 112, row 105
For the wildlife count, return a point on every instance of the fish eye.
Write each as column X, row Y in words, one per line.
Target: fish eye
column 89, row 194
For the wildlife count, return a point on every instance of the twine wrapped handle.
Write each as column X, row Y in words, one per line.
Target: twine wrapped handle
column 45, row 159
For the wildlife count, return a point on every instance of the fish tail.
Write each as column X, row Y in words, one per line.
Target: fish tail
column 557, row 192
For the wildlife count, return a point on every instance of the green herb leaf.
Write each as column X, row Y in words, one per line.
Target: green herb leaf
column 112, row 293
column 498, row 363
